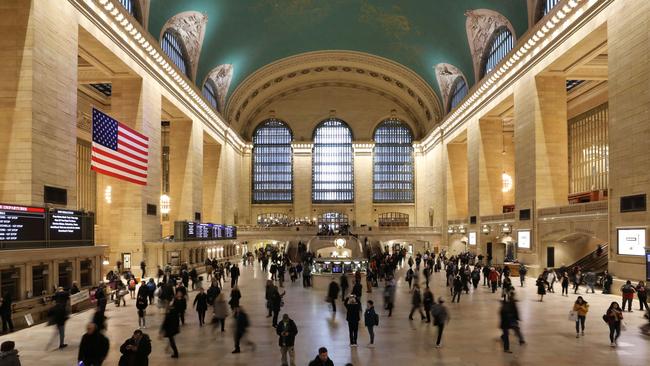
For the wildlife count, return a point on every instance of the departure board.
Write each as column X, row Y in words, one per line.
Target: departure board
column 22, row 224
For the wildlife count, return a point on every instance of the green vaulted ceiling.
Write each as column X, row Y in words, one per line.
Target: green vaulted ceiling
column 419, row 34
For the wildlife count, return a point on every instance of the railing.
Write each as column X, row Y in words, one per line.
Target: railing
column 588, row 208
column 504, row 217
column 457, row 222
column 355, row 230
column 392, row 229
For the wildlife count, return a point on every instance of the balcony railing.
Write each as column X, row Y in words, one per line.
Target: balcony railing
column 581, row 209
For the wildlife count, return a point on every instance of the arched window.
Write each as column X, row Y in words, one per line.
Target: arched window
column 393, row 163
column 210, row 93
column 500, row 44
column 172, row 45
column 458, row 92
column 132, row 7
column 544, row 7
column 332, row 163
column 272, row 163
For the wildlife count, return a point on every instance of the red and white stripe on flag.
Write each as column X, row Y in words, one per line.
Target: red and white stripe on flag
column 128, row 162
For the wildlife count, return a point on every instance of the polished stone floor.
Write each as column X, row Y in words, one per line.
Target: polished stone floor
column 471, row 338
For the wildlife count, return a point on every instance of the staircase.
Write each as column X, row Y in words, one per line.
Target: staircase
column 592, row 262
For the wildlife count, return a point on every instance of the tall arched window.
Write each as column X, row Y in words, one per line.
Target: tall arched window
column 393, row 163
column 132, row 7
column 500, row 44
column 332, row 163
column 172, row 45
column 544, row 7
column 458, row 92
column 210, row 93
column 272, row 163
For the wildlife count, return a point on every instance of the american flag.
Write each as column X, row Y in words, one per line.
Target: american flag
column 118, row 151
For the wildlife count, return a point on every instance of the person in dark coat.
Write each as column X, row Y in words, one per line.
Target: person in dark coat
column 93, row 347
column 333, row 294
column 344, row 286
column 135, row 350
column 9, row 354
column 371, row 320
column 416, row 302
column 353, row 317
column 180, row 304
column 170, row 327
column 235, row 296
column 275, row 303
column 241, row 325
column 141, row 304
column 322, row 359
column 287, row 330
column 58, row 315
column 509, row 320
column 201, row 305
column 5, row 312
column 357, row 290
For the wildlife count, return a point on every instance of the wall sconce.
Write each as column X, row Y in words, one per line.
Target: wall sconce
column 450, row 229
column 108, row 194
column 506, row 228
column 165, row 204
column 105, row 262
column 486, row 229
column 462, row 229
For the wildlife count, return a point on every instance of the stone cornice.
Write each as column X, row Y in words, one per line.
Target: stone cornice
column 531, row 48
column 129, row 35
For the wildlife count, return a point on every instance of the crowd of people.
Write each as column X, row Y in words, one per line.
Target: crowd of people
column 169, row 291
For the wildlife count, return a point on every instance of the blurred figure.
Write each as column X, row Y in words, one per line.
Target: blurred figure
column 93, row 347
column 510, row 320
column 241, row 325
column 170, row 328
column 8, row 354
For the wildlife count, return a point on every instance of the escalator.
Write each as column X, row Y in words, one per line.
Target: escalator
column 595, row 261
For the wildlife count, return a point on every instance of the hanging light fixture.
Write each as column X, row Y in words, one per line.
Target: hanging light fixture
column 506, row 182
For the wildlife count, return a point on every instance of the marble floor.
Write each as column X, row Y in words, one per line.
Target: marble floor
column 471, row 338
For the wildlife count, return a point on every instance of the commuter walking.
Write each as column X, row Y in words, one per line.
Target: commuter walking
column 287, row 330
column 93, row 347
column 628, row 292
column 344, row 286
column 440, row 319
column 220, row 311
column 510, row 320
column 322, row 359
column 541, row 287
column 333, row 294
column 201, row 305
column 416, row 302
column 579, row 311
column 241, row 326
column 170, row 328
column 5, row 312
column 353, row 317
column 614, row 318
column 642, row 294
column 565, row 284
column 371, row 320
column 141, row 304
column 57, row 316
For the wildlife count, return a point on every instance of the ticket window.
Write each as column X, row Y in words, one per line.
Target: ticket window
column 65, row 275
column 86, row 273
column 9, row 283
column 39, row 280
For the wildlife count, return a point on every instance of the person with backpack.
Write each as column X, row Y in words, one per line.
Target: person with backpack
column 132, row 285
column 628, row 292
column 135, row 350
column 141, row 304
column 522, row 274
column 371, row 320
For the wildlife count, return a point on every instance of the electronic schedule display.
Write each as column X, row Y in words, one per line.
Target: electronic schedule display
column 22, row 224
column 37, row 227
column 190, row 230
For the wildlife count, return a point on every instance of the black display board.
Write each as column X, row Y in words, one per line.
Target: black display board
column 35, row 227
column 190, row 230
column 22, row 224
